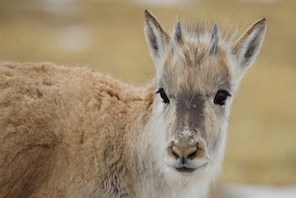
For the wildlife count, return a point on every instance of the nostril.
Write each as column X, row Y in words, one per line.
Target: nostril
column 192, row 155
column 192, row 152
column 186, row 153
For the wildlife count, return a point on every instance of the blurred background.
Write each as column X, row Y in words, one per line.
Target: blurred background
column 108, row 36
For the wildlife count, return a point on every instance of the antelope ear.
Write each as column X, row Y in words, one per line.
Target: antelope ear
column 156, row 37
column 247, row 47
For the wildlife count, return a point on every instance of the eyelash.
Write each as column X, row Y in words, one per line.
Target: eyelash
column 163, row 95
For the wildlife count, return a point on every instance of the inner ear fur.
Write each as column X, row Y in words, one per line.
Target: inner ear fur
column 156, row 37
column 248, row 45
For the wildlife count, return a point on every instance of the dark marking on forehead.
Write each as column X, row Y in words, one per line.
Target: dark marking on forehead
column 190, row 112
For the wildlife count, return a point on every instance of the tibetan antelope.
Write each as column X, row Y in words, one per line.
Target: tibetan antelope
column 77, row 133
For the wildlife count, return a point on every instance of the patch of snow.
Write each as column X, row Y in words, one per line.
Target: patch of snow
column 249, row 191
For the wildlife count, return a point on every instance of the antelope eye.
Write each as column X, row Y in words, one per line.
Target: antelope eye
column 221, row 97
column 163, row 95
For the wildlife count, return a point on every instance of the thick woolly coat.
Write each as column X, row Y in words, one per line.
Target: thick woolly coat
column 63, row 132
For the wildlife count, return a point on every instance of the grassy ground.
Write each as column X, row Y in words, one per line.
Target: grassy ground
column 108, row 36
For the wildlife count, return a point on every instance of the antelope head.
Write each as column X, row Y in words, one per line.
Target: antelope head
column 198, row 71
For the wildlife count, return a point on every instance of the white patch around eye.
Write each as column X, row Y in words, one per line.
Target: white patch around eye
column 159, row 108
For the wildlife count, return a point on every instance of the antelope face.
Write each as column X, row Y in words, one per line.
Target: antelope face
column 198, row 73
column 196, row 102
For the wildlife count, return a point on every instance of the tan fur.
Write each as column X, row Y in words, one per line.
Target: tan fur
column 54, row 134
column 73, row 132
column 260, row 23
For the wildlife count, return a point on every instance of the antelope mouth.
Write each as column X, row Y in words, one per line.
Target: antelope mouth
column 188, row 167
column 185, row 170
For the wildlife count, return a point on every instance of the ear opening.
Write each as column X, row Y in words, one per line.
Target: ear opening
column 156, row 37
column 247, row 47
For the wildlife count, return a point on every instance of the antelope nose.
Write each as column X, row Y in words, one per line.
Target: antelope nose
column 184, row 153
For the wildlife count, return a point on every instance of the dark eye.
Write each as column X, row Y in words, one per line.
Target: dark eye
column 221, row 97
column 163, row 95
